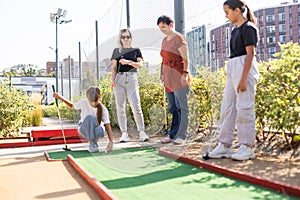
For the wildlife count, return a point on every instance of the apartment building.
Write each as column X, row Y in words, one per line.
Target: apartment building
column 277, row 25
column 198, row 55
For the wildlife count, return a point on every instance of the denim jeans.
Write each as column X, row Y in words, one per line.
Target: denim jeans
column 88, row 129
column 127, row 86
column 178, row 107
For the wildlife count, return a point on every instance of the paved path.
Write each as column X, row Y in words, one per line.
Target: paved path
column 25, row 173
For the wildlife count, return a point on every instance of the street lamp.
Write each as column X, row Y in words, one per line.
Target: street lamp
column 56, row 18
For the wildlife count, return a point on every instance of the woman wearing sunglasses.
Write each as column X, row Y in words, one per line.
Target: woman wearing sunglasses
column 125, row 62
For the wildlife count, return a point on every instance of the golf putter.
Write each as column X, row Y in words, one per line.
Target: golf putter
column 213, row 139
column 62, row 128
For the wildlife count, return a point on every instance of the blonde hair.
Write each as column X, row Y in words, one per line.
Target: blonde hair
column 120, row 34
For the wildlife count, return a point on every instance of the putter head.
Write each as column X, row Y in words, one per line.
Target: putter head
column 205, row 156
column 66, row 149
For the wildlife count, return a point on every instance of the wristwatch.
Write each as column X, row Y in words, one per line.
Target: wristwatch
column 130, row 63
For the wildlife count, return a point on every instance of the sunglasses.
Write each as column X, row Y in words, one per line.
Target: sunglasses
column 125, row 36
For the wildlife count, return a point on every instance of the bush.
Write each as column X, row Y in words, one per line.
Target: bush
column 278, row 95
column 14, row 110
column 37, row 116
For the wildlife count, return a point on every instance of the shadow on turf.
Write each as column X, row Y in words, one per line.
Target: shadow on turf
column 181, row 170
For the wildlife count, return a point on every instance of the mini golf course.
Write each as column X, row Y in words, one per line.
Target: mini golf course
column 148, row 173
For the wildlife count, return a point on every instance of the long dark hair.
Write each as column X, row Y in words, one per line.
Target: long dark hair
column 93, row 94
column 240, row 4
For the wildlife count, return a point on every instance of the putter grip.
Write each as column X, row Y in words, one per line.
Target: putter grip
column 56, row 102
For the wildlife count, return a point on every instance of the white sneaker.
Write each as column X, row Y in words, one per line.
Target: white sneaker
column 124, row 137
column 143, row 136
column 221, row 152
column 244, row 153
column 93, row 147
column 178, row 141
column 166, row 140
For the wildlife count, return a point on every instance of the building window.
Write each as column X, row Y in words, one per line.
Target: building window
column 261, row 18
column 282, row 39
column 262, row 40
column 281, row 27
column 272, row 50
column 261, row 30
column 270, row 18
column 281, row 16
column 270, row 29
column 271, row 40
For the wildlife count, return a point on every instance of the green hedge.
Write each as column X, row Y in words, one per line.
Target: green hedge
column 277, row 99
column 278, row 96
column 15, row 110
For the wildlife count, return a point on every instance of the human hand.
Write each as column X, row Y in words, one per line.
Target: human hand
column 113, row 84
column 56, row 95
column 124, row 61
column 162, row 79
column 241, row 86
column 184, row 79
column 109, row 147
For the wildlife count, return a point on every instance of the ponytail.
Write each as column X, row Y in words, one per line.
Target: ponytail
column 94, row 94
column 250, row 16
column 99, row 113
column 240, row 4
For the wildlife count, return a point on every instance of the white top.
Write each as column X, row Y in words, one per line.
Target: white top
column 87, row 109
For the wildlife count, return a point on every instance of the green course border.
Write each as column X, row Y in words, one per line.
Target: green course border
column 105, row 193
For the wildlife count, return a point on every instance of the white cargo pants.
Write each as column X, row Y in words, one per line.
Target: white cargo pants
column 238, row 107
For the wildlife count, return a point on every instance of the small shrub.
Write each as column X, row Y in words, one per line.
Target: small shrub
column 37, row 116
column 14, row 110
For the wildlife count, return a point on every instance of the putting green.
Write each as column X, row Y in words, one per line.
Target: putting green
column 141, row 173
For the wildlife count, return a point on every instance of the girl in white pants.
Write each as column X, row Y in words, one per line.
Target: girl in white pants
column 239, row 94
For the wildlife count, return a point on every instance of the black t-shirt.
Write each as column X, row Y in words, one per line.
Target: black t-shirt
column 128, row 54
column 241, row 37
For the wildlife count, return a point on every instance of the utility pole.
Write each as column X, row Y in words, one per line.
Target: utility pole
column 70, row 80
column 57, row 19
column 128, row 13
column 97, row 53
column 80, row 71
column 179, row 16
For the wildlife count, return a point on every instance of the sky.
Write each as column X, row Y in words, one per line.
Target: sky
column 27, row 35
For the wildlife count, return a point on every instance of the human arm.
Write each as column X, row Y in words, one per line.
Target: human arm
column 161, row 77
column 247, row 66
column 137, row 64
column 109, row 134
column 61, row 98
column 113, row 73
column 184, row 54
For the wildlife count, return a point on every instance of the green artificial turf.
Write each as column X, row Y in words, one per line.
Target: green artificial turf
column 140, row 173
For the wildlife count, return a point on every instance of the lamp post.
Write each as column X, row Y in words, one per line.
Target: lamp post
column 57, row 19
